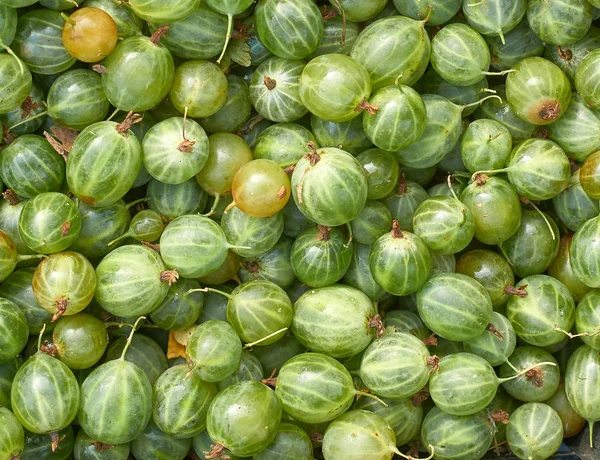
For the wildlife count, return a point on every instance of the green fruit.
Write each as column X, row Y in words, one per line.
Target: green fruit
column 519, row 43
column 396, row 366
column 539, row 306
column 161, row 11
column 584, row 254
column 80, row 341
column 15, row 83
column 314, row 388
column 393, row 50
column 283, row 143
column 291, row 442
column 335, row 87
column 586, row 319
column 199, row 89
column 258, row 310
column 460, row 55
column 494, row 17
column 559, row 23
column 116, row 401
column 244, row 418
column 382, row 172
column 274, row 90
column 337, row 320
column 250, row 369
column 172, row 201
column 76, row 99
column 534, row 431
column 359, row 273
column 438, row 11
column 38, row 42
column 15, row 330
column 45, row 394
column 329, row 186
column 495, row 207
column 444, row 224
column 359, row 434
column 204, row 27
column 485, row 144
column 583, row 367
column 156, row 444
column 454, row 306
column 139, row 73
column 131, row 281
column 64, row 283
column 496, row 344
column 573, row 206
column 251, row 236
column 441, row 134
column 400, row 119
column 181, row 308
column 320, row 257
column 577, row 130
column 531, row 250
column 349, row 135
column 172, row 158
column 103, row 163
column 538, row 91
column 290, row 29
column 215, row 350
column 236, row 111
column 400, row 262
column 491, row 270
column 456, row 437
column 538, row 383
column 49, row 223
column 12, row 441
column 562, row 270
column 273, row 265
column 127, row 22
column 144, row 352
column 181, row 402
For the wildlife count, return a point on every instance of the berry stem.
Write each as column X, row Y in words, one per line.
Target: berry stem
column 208, row 290
column 524, row 371
column 130, row 338
column 370, row 395
column 227, row 37
column 39, row 343
column 214, row 206
column 28, row 119
column 272, row 334
column 481, row 101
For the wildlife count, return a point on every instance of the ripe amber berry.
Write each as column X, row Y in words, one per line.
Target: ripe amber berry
column 89, row 34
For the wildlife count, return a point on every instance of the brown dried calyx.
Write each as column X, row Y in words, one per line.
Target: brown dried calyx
column 27, row 106
column 480, row 179
column 419, row 398
column 240, row 31
column 217, row 451
column 250, row 265
column 270, row 381
column 500, row 416
column 102, row 447
column 61, row 308
column 49, row 348
column 56, row 440
column 269, row 83
column 434, row 363
column 550, row 110
column 431, row 340
column 567, row 54
column 61, row 139
column 377, row 323
column 499, row 335
column 396, row 232
column 323, row 234
column 316, row 437
column 154, row 247
column 130, row 120
column 65, row 228
column 171, row 276
column 402, row 185
column 155, row 38
column 312, row 156
column 290, row 169
column 536, row 376
column 520, row 291
column 282, row 192
column 328, row 12
column 99, row 68
column 186, row 146
column 10, row 196
column 364, row 105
